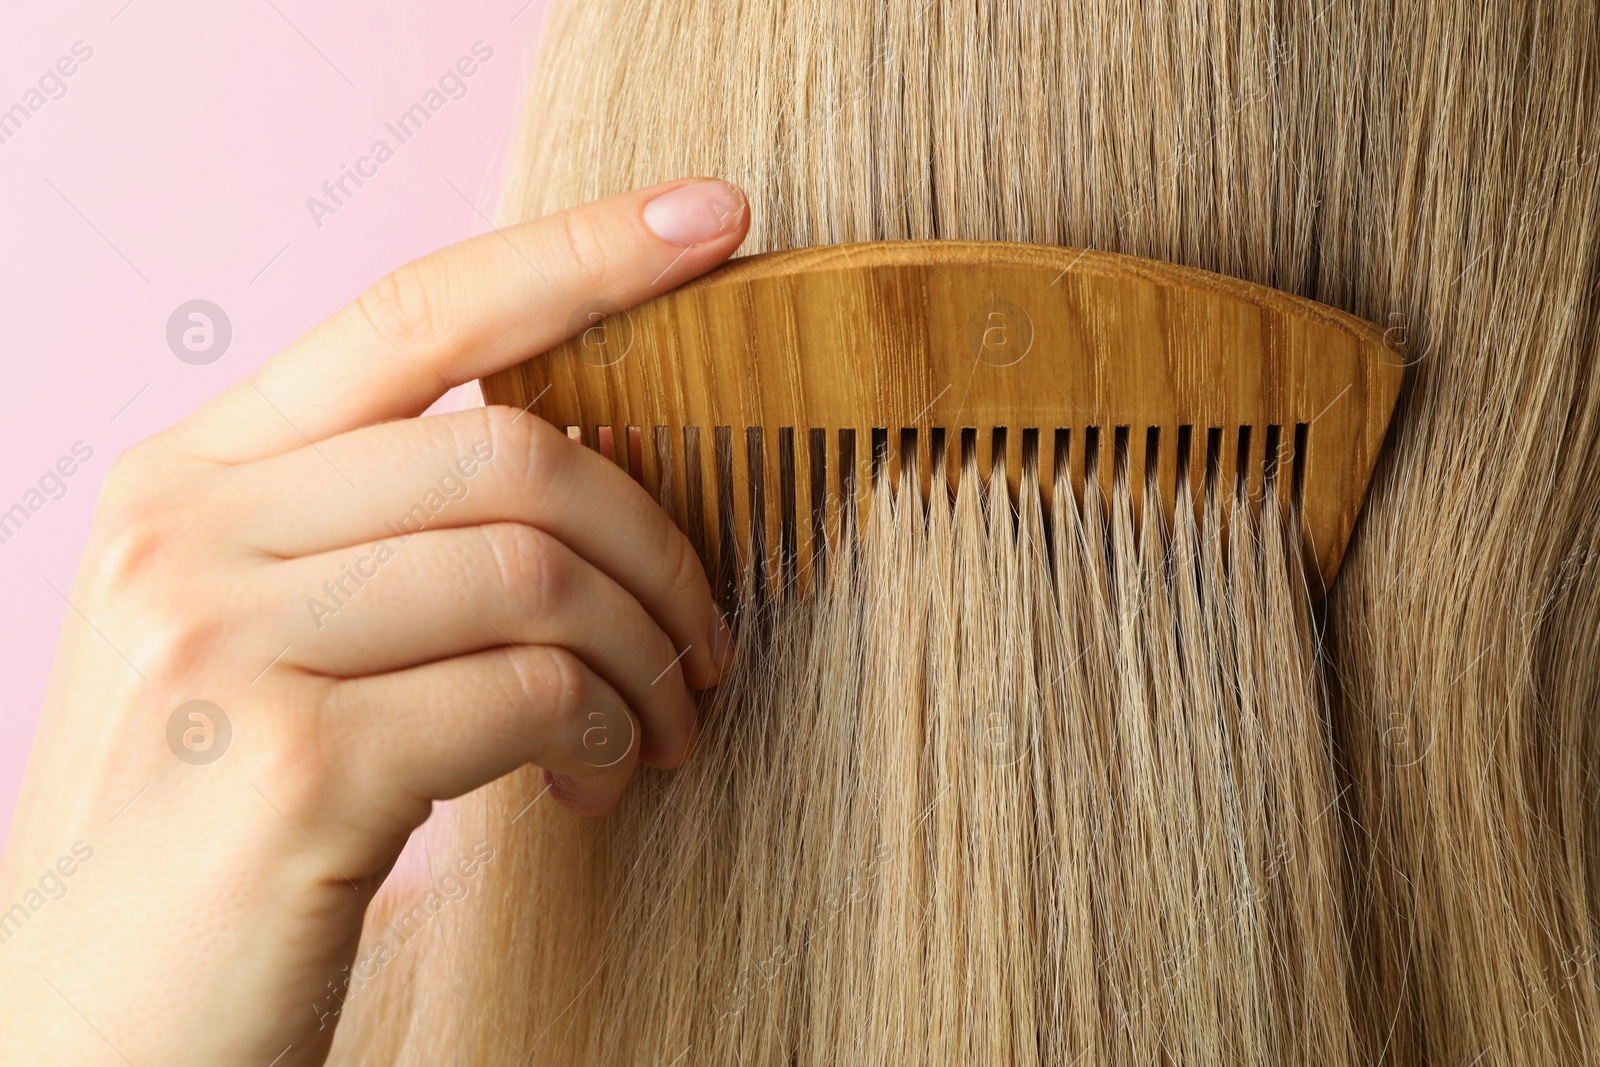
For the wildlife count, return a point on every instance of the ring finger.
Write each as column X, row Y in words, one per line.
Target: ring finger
column 442, row 729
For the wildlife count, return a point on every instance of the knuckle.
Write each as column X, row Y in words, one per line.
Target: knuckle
column 508, row 433
column 125, row 552
column 546, row 451
column 290, row 753
column 129, row 471
column 408, row 306
column 139, row 471
column 132, row 542
column 688, row 576
column 504, row 427
column 176, row 647
column 565, row 689
column 528, row 564
column 581, row 248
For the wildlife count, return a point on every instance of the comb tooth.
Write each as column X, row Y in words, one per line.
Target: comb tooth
column 989, row 456
column 1136, row 439
column 1012, row 456
column 1045, row 447
column 667, row 486
column 1213, row 483
column 1273, row 454
column 1091, row 470
column 1119, row 461
column 1233, row 478
column 1032, row 465
column 1158, row 463
column 1305, row 525
column 875, row 466
column 1003, row 454
column 788, row 573
column 1191, row 470
column 1286, row 466
column 1256, row 462
column 1108, row 460
column 1109, row 457
column 967, row 456
column 724, row 511
column 1182, row 476
column 924, row 458
column 636, row 459
column 848, row 491
column 909, row 468
column 772, row 489
column 1297, row 484
column 694, row 494
column 1244, row 458
column 1280, row 473
column 894, row 457
column 939, row 479
column 1070, row 446
column 818, row 470
column 1227, row 468
column 1181, row 469
column 606, row 444
column 755, row 546
column 1061, row 491
column 950, row 464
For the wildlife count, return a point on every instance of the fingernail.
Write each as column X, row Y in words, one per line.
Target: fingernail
column 720, row 641
column 694, row 213
column 560, row 788
column 566, row 791
column 601, row 735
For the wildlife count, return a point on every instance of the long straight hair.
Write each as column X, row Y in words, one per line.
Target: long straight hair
column 1028, row 787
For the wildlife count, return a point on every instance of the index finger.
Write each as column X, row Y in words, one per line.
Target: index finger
column 465, row 312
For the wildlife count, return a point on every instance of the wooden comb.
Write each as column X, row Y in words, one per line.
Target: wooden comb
column 738, row 398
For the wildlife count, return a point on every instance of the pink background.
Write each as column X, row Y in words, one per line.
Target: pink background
column 177, row 166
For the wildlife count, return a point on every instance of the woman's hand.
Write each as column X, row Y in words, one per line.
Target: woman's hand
column 305, row 614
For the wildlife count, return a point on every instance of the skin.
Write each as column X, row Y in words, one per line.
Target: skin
column 547, row 599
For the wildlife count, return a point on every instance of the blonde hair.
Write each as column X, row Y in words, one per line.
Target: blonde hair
column 1017, row 787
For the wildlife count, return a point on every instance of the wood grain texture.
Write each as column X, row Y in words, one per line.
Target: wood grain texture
column 753, row 401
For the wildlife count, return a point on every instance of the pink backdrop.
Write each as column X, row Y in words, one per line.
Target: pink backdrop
column 174, row 163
